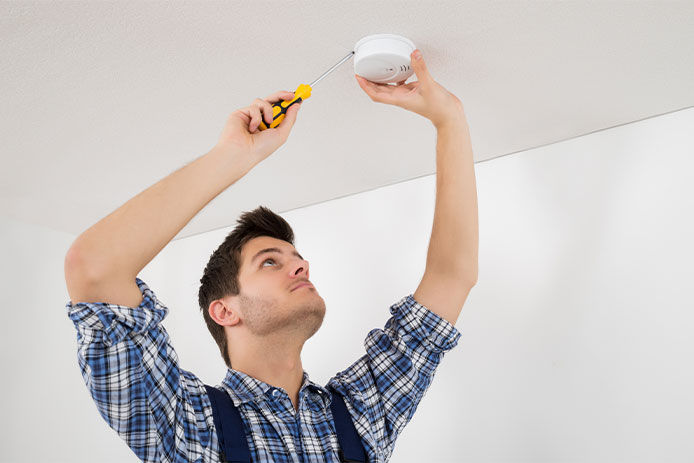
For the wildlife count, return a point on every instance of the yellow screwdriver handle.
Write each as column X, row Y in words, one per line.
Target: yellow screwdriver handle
column 279, row 109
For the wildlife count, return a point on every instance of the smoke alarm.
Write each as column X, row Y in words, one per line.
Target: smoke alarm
column 383, row 58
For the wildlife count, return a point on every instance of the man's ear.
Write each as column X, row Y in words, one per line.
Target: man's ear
column 225, row 311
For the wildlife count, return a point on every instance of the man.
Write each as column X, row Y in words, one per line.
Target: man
column 261, row 315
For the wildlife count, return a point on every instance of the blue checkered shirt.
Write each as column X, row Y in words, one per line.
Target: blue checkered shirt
column 163, row 412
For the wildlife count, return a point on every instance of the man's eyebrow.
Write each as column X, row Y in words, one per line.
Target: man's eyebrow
column 267, row 250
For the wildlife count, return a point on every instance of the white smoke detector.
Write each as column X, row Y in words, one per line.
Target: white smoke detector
column 383, row 58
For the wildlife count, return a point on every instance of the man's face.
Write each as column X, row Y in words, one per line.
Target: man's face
column 268, row 303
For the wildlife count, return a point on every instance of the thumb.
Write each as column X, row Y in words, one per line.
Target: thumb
column 289, row 119
column 419, row 66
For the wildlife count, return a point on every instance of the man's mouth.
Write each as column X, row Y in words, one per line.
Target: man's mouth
column 301, row 285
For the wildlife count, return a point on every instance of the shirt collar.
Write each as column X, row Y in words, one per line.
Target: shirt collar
column 243, row 388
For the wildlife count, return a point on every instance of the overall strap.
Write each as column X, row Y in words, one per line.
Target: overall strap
column 232, row 438
column 351, row 449
column 230, row 433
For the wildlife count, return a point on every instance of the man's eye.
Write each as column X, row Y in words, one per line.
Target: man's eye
column 268, row 260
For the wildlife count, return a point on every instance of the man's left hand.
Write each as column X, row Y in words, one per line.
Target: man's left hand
column 424, row 96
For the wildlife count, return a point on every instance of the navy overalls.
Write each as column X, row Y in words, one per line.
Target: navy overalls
column 232, row 439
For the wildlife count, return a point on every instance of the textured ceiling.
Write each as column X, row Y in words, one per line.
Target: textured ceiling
column 101, row 100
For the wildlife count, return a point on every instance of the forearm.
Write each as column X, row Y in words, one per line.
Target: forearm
column 454, row 243
column 125, row 241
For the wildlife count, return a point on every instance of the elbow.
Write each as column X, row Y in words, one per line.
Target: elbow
column 75, row 266
column 466, row 274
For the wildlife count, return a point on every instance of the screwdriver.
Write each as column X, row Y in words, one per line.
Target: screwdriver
column 302, row 92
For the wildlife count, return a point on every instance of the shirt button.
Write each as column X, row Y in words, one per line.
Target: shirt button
column 275, row 392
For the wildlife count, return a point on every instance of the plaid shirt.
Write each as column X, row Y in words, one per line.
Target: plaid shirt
column 163, row 412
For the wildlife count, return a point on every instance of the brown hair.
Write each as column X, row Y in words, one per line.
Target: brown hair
column 221, row 276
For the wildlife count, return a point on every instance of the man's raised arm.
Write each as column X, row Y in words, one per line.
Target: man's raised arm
column 451, row 266
column 121, row 244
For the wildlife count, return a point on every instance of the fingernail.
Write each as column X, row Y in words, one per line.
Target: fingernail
column 417, row 55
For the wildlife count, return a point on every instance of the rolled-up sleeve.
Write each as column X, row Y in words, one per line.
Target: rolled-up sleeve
column 399, row 365
column 131, row 370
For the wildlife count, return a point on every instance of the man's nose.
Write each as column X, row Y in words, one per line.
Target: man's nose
column 301, row 266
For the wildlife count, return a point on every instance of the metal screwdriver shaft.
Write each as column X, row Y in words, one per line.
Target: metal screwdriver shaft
column 331, row 69
column 302, row 92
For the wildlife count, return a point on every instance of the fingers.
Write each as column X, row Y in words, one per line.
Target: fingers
column 281, row 95
column 375, row 88
column 256, row 117
column 380, row 93
column 369, row 87
column 419, row 66
column 261, row 109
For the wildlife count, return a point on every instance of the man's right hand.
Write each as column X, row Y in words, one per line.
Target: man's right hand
column 241, row 130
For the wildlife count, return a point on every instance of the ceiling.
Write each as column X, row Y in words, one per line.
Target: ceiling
column 103, row 99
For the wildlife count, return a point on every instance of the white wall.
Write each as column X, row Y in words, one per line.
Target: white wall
column 576, row 342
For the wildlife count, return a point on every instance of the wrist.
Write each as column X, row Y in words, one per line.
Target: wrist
column 455, row 121
column 233, row 157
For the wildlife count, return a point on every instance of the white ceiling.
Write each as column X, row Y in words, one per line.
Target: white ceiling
column 102, row 100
